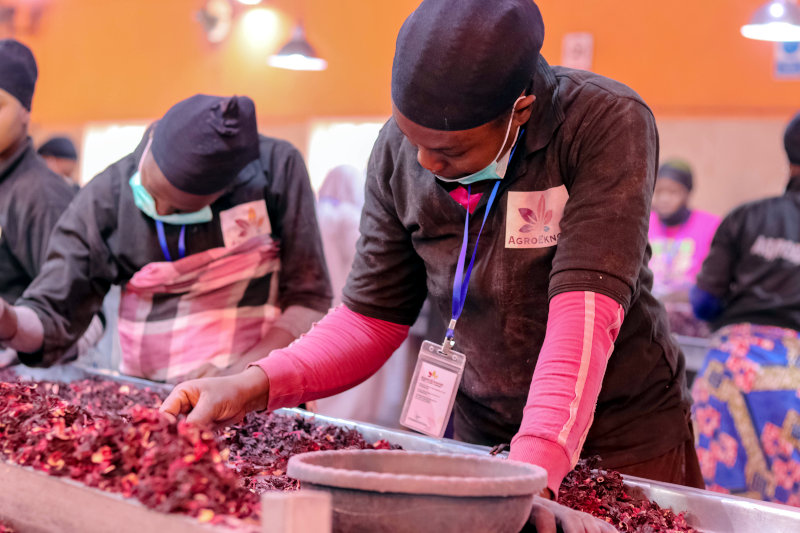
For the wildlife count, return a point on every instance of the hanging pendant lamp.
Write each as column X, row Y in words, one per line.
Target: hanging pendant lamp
column 297, row 54
column 777, row 20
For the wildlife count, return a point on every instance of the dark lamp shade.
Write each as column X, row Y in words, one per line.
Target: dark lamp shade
column 297, row 54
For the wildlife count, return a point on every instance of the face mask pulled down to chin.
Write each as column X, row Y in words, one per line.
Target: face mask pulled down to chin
column 496, row 170
column 147, row 205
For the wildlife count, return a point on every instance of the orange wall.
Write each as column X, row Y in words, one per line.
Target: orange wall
column 131, row 59
column 685, row 57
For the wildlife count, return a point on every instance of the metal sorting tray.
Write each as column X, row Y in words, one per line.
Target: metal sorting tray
column 408, row 440
column 694, row 349
column 709, row 512
column 67, row 373
column 34, row 502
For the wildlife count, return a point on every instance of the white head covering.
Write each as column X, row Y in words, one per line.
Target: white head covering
column 341, row 198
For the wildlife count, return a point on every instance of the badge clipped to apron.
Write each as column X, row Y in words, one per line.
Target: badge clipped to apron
column 439, row 369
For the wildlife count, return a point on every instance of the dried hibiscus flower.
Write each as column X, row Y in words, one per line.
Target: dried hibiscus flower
column 168, row 467
column 108, row 435
column 260, row 447
column 602, row 493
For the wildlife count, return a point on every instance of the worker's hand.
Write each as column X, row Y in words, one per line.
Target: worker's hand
column 8, row 321
column 222, row 401
column 549, row 517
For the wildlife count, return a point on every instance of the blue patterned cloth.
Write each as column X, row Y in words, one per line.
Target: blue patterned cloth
column 747, row 413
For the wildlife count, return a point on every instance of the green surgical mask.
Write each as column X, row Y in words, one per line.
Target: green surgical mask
column 495, row 171
column 144, row 201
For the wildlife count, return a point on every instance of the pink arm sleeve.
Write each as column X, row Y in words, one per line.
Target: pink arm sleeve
column 338, row 353
column 581, row 330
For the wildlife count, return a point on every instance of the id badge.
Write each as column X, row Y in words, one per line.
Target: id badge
column 433, row 390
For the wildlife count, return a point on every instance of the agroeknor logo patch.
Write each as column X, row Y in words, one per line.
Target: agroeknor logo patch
column 533, row 218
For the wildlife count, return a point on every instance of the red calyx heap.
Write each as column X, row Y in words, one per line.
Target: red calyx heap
column 602, row 493
column 168, row 467
column 100, row 432
column 261, row 446
column 110, row 436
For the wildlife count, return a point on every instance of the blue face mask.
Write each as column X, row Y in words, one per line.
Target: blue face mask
column 496, row 170
column 147, row 205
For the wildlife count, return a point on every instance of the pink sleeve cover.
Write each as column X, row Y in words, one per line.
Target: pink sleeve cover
column 341, row 351
column 581, row 330
column 345, row 348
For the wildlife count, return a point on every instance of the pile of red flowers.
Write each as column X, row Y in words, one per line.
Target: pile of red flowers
column 110, row 436
column 168, row 467
column 261, row 446
column 602, row 493
column 101, row 396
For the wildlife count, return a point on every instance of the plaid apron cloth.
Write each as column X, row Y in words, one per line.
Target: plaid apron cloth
column 747, row 413
column 208, row 307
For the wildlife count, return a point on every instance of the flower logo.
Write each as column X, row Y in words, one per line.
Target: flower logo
column 542, row 216
column 253, row 222
column 432, row 374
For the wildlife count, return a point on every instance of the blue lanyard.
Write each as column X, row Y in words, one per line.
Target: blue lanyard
column 461, row 281
column 162, row 239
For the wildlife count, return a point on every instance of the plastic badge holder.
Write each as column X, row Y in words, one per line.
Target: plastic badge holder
column 433, row 389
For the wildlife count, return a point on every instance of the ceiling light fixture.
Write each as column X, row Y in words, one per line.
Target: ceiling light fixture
column 777, row 20
column 297, row 54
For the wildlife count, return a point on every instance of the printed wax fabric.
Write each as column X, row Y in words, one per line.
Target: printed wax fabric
column 747, row 411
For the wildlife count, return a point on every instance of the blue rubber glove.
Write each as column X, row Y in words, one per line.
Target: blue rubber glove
column 705, row 305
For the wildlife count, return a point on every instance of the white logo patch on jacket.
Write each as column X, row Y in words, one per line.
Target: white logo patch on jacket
column 243, row 222
column 533, row 218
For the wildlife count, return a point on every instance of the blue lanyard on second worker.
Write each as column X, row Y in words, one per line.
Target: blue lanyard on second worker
column 162, row 239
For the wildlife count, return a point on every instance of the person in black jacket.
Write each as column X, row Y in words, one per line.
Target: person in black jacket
column 32, row 198
column 61, row 157
column 747, row 404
